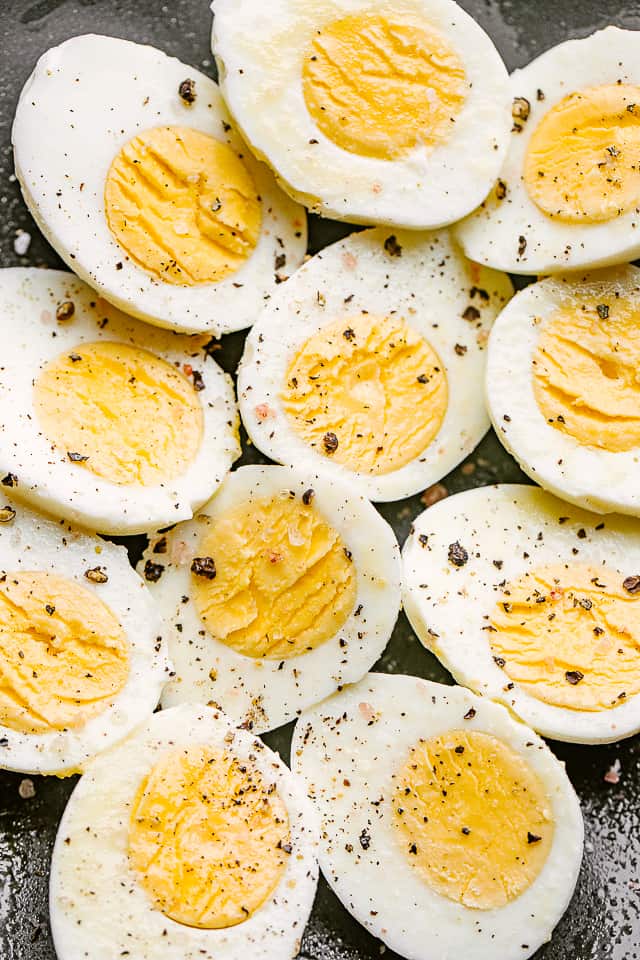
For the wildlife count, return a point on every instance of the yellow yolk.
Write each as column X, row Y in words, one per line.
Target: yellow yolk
column 582, row 159
column 120, row 412
column 586, row 373
column 63, row 654
column 207, row 837
column 379, row 86
column 570, row 636
column 284, row 581
column 368, row 392
column 472, row 818
column 182, row 205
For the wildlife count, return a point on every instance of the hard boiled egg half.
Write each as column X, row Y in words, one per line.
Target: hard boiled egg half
column 568, row 194
column 572, row 346
column 534, row 603
column 82, row 655
column 368, row 364
column 189, row 841
column 285, row 586
column 130, row 164
column 447, row 827
column 368, row 111
column 104, row 420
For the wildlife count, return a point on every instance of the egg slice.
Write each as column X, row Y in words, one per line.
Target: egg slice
column 568, row 194
column 367, row 111
column 533, row 603
column 129, row 163
column 448, row 828
column 104, row 420
column 284, row 587
column 368, row 364
column 82, row 655
column 573, row 347
column 206, row 846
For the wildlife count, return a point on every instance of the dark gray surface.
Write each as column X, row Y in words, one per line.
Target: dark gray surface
column 603, row 922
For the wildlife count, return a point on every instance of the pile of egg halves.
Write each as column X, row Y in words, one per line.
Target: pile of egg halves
column 441, row 820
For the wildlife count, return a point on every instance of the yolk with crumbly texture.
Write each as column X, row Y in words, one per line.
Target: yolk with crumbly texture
column 379, row 86
column 472, row 817
column 570, row 636
column 208, row 837
column 120, row 412
column 582, row 164
column 372, row 383
column 182, row 205
column 63, row 654
column 586, row 372
column 285, row 581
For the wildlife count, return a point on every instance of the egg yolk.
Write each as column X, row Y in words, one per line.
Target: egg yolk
column 582, row 164
column 367, row 392
column 208, row 838
column 472, row 818
column 63, row 654
column 586, row 373
column 569, row 636
column 182, row 205
column 284, row 580
column 379, row 86
column 120, row 412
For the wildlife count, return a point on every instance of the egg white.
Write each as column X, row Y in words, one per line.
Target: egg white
column 589, row 476
column 46, row 478
column 493, row 234
column 32, row 542
column 105, row 913
column 259, row 49
column 85, row 99
column 429, row 285
column 267, row 693
column 448, row 606
column 347, row 749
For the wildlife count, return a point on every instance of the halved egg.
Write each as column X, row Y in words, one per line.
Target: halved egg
column 534, row 603
column 129, row 163
column 368, row 364
column 448, row 828
column 206, row 846
column 368, row 111
column 573, row 347
column 285, row 586
column 104, row 420
column 82, row 655
column 568, row 194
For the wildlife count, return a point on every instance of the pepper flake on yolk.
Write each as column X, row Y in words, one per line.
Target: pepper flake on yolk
column 374, row 385
column 63, row 654
column 284, row 581
column 379, row 86
column 125, row 414
column 182, row 205
column 472, row 818
column 582, row 163
column 569, row 636
column 586, row 373
column 208, row 838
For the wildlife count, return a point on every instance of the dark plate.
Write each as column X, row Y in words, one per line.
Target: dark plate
column 603, row 920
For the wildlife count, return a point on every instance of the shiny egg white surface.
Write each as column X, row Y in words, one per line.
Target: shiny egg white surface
column 367, row 111
column 206, row 846
column 534, row 603
column 448, row 828
column 130, row 165
column 106, row 421
column 284, row 586
column 369, row 362
column 82, row 654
